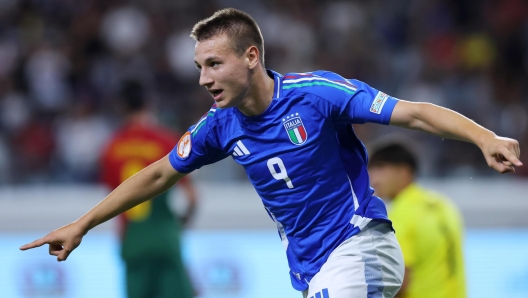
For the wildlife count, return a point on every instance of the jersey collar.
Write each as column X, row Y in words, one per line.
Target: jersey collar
column 278, row 82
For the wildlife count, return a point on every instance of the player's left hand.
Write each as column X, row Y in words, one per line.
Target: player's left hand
column 502, row 154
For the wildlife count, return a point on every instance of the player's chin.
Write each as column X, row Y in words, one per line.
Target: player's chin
column 223, row 103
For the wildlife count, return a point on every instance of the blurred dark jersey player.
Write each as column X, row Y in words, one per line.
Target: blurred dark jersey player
column 150, row 231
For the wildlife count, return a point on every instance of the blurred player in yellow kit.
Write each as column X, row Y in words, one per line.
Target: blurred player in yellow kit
column 428, row 227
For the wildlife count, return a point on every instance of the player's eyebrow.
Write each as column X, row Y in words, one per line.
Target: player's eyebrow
column 209, row 59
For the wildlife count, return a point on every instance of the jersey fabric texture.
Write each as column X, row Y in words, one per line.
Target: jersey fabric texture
column 150, row 231
column 429, row 229
column 303, row 158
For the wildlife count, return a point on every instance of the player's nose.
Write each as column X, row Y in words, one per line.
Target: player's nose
column 205, row 79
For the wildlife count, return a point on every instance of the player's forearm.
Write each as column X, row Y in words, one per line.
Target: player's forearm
column 439, row 121
column 147, row 184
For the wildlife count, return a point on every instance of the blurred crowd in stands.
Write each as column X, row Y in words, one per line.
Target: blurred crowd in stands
column 62, row 63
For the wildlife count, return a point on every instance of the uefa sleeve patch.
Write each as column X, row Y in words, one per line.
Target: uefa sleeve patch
column 378, row 103
column 184, row 145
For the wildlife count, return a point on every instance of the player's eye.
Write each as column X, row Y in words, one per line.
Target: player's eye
column 214, row 64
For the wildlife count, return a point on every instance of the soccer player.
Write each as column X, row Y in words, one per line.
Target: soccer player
column 428, row 227
column 293, row 136
column 150, row 231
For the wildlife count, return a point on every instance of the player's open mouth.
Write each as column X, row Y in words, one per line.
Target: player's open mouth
column 216, row 94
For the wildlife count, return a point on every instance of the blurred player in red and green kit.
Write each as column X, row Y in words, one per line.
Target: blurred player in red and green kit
column 150, row 232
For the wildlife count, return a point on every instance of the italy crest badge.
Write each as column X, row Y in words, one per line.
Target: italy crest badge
column 295, row 129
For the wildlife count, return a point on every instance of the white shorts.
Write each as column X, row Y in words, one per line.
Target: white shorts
column 369, row 264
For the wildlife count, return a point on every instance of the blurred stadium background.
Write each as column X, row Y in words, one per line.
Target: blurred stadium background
column 62, row 62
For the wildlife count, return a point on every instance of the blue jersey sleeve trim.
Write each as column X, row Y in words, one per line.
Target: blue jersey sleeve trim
column 174, row 163
column 204, row 148
column 388, row 109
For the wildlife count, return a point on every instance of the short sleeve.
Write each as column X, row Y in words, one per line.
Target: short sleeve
column 199, row 146
column 352, row 101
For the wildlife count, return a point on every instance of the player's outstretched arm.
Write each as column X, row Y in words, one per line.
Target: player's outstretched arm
column 148, row 183
column 501, row 154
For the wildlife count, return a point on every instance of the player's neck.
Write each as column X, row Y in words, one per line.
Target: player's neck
column 142, row 117
column 259, row 95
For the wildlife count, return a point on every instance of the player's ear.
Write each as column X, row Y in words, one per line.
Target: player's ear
column 252, row 57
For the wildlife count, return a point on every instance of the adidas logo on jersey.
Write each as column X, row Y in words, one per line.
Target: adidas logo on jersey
column 240, row 149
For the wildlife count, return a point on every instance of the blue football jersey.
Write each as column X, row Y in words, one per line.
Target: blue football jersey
column 303, row 159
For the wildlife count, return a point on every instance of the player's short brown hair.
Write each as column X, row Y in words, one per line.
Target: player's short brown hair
column 239, row 26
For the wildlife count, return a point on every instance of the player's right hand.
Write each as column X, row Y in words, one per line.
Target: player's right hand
column 61, row 242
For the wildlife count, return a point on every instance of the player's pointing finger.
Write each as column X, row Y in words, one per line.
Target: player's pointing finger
column 36, row 243
column 510, row 157
column 517, row 149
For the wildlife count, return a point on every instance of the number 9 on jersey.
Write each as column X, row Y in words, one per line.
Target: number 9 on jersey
column 281, row 174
